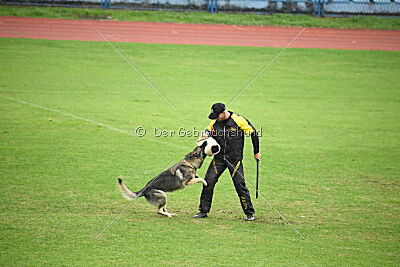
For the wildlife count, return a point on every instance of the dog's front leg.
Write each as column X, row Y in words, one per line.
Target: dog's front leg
column 201, row 180
column 197, row 180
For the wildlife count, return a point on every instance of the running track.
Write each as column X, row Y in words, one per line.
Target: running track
column 200, row 34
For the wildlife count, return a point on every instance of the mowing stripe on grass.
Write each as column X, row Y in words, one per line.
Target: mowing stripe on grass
column 109, row 127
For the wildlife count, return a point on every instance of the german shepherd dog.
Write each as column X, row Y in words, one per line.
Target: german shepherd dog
column 175, row 178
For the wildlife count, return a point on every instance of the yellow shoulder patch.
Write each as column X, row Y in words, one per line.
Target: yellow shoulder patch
column 243, row 124
column 211, row 126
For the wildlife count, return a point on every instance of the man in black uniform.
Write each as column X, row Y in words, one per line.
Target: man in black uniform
column 228, row 129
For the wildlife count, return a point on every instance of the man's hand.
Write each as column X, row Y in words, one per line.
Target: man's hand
column 257, row 156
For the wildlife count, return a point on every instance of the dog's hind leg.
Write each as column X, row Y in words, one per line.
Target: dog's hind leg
column 159, row 198
column 162, row 204
column 165, row 210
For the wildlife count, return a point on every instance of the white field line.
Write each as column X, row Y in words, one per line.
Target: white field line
column 108, row 127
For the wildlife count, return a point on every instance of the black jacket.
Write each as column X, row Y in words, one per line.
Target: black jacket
column 230, row 136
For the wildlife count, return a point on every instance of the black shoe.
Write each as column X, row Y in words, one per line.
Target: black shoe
column 200, row 215
column 250, row 218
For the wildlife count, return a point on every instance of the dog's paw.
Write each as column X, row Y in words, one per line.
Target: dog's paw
column 204, row 183
column 166, row 214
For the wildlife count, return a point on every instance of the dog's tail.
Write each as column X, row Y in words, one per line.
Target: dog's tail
column 128, row 194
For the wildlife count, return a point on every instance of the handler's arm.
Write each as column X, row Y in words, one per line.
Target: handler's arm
column 249, row 129
column 256, row 145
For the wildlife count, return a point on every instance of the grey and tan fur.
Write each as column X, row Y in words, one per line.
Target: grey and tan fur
column 177, row 177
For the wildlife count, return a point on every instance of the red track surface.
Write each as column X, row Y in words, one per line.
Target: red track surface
column 170, row 33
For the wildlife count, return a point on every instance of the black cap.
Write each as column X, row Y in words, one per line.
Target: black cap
column 216, row 109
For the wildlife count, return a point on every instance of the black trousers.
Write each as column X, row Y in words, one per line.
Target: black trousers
column 214, row 171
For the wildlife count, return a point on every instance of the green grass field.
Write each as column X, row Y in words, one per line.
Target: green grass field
column 330, row 145
column 356, row 22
